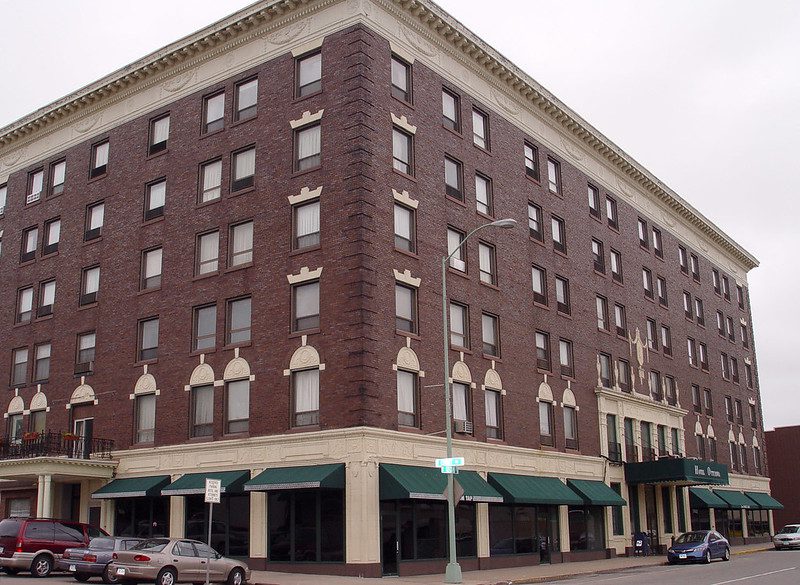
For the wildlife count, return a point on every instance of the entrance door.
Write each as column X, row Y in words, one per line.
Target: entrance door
column 543, row 530
column 390, row 543
column 651, row 516
column 84, row 428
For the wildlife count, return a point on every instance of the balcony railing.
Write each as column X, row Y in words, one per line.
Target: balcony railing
column 631, row 453
column 55, row 444
column 615, row 452
column 648, row 454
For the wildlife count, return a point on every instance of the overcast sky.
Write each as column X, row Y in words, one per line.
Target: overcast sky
column 705, row 94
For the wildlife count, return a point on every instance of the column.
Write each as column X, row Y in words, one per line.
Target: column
column 482, row 529
column 258, row 524
column 713, row 518
column 642, row 507
column 563, row 528
column 745, row 527
column 85, row 499
column 771, row 523
column 673, row 497
column 40, row 497
column 177, row 516
column 47, row 504
column 107, row 509
column 362, row 523
column 659, row 515
column 687, row 508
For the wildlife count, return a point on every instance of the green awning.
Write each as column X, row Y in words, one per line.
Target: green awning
column 294, row 478
column 703, row 498
column 736, row 499
column 529, row 489
column 677, row 471
column 195, row 483
column 764, row 501
column 132, row 487
column 596, row 493
column 403, row 482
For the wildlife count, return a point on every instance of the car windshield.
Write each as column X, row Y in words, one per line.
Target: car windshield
column 789, row 530
column 152, row 544
column 9, row 528
column 102, row 543
column 691, row 538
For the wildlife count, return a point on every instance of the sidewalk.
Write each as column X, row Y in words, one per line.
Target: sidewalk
column 536, row 574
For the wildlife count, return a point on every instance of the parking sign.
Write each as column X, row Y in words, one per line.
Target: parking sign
column 213, row 490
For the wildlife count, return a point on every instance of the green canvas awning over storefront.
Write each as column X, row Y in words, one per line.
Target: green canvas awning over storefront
column 677, row 472
column 704, row 498
column 736, row 499
column 403, row 482
column 529, row 489
column 294, row 478
column 193, row 484
column 764, row 501
column 596, row 493
column 132, row 487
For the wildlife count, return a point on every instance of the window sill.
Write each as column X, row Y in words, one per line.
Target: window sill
column 568, row 377
column 562, row 254
column 148, row 445
column 297, row 173
column 149, row 362
column 405, row 103
column 297, row 99
column 606, row 332
column 451, row 270
column 201, row 204
column 155, row 220
column 534, row 180
column 565, row 315
column 302, row 332
column 92, row 241
column 87, row 306
column 405, row 175
column 240, row 434
column 27, row 262
column 489, row 285
column 495, row 441
column 212, row 133
column 203, row 439
column 407, row 253
column 455, row 200
column 539, row 241
column 299, row 251
column 458, row 348
column 34, row 203
column 484, row 215
column 242, row 191
column 304, row 428
column 233, row 346
column 598, row 218
column 238, row 267
column 242, row 121
column 482, row 149
column 157, row 154
column 205, row 275
column 548, row 371
column 148, row 290
column 407, row 334
column 541, row 305
column 44, row 318
column 614, row 228
column 494, row 358
column 50, row 255
column 596, row 271
column 617, row 281
column 453, row 132
column 97, row 178
column 203, row 351
column 409, row 429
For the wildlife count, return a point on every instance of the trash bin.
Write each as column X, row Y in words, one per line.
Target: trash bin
column 641, row 544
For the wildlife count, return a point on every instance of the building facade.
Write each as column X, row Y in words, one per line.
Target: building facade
column 200, row 258
column 781, row 452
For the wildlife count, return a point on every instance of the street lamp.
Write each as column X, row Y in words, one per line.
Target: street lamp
column 452, row 573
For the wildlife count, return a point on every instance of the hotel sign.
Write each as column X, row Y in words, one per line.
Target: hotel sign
column 679, row 471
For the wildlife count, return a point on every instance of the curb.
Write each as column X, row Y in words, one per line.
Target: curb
column 564, row 577
column 751, row 551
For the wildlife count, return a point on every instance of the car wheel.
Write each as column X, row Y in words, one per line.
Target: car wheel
column 81, row 577
column 42, row 566
column 726, row 556
column 236, row 577
column 167, row 577
column 109, row 576
column 707, row 558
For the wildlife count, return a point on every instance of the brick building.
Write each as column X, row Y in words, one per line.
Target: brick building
column 780, row 447
column 200, row 256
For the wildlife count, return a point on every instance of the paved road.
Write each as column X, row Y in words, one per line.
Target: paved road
column 763, row 568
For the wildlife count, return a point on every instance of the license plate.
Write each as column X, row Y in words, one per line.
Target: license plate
column 120, row 571
column 681, row 556
column 72, row 568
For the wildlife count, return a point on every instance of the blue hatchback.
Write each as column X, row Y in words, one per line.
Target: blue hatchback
column 699, row 545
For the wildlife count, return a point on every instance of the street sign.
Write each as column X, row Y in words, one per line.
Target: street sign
column 450, row 462
column 213, row 490
column 449, row 469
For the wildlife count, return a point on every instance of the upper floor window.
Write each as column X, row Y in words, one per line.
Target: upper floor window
column 605, row 369
column 643, row 237
column 683, row 261
column 35, row 185
column 30, row 240
column 494, row 417
column 47, row 298
column 739, row 288
column 58, row 175
column 407, row 383
column 19, row 368
column 652, row 339
column 661, row 286
column 535, row 221
column 52, row 235
column 542, row 350
column 405, row 302
column 25, row 304
column 546, row 423
column 459, row 325
column 602, row 312
column 531, row 161
column 695, row 265
column 145, row 418
column 3, row 197
column 84, row 362
column 210, row 181
column 687, row 305
column 94, row 221
column 611, row 213
column 647, row 281
column 246, row 99
column 715, row 281
column 306, row 225
column 159, row 134
column 202, row 411
column 598, row 256
column 483, row 195
column 744, row 335
column 237, row 406
column 308, row 73
column 480, row 129
column 559, row 234
column 244, row 169
column 305, row 306
column 729, row 329
column 703, row 353
column 401, row 79
column 214, row 112
column 402, row 151
column 562, row 295
column 205, row 328
column 90, row 285
column 207, row 253
column 594, row 200
column 453, row 178
column 666, row 340
column 151, row 268
column 155, row 200
column 748, row 374
column 691, row 348
column 490, row 329
column 308, row 147
column 238, row 321
column 553, row 175
column 620, row 321
column 657, row 243
column 726, row 289
column 451, row 111
column 698, row 310
column 404, row 228
column 241, row 238
column 616, row 265
column 487, row 260
column 41, row 363
column 726, row 373
column 462, row 404
column 539, row 283
column 565, row 357
column 458, row 259
column 99, row 159
column 148, row 339
column 305, row 405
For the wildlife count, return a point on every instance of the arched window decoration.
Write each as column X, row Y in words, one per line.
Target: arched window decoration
column 14, row 415
column 144, row 397
column 408, row 374
column 201, row 389
column 546, row 414
column 461, row 387
column 493, row 400
column 303, row 372
column 83, row 394
column 237, row 379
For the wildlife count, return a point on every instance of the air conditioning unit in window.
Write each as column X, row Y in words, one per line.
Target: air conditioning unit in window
column 32, row 198
column 463, row 426
column 84, row 368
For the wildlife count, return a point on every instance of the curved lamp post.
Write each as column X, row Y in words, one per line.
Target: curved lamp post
column 453, row 571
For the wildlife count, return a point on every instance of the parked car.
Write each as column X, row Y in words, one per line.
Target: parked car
column 699, row 545
column 94, row 560
column 167, row 561
column 787, row 537
column 34, row 544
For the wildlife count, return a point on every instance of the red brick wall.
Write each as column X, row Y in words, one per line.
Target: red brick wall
column 782, row 451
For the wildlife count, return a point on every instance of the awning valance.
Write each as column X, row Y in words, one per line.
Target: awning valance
column 764, row 501
column 677, row 471
column 529, row 489
column 292, row 478
column 132, row 487
column 736, row 499
column 402, row 482
column 704, row 498
column 596, row 493
column 195, row 483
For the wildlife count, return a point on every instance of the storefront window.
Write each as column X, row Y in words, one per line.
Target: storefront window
column 522, row 529
column 586, row 528
column 617, row 527
column 141, row 517
column 757, row 522
column 729, row 523
column 680, row 505
column 423, row 530
column 701, row 519
column 230, row 530
column 306, row 526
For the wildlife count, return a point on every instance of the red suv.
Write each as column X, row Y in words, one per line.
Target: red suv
column 33, row 544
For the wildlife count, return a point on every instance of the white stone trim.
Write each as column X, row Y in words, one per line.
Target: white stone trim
column 238, row 369
column 304, row 357
column 545, row 393
column 710, row 432
column 202, row 375
column 306, row 194
column 304, row 275
column 39, row 401
column 403, row 123
column 83, row 394
column 401, row 52
column 405, row 199
column 406, row 278
column 308, row 47
column 16, row 405
column 306, row 119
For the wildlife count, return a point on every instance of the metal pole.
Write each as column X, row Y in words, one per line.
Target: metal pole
column 208, row 552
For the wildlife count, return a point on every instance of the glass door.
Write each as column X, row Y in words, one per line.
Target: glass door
column 390, row 543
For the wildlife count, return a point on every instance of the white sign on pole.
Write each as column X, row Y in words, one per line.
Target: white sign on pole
column 450, row 462
column 213, row 490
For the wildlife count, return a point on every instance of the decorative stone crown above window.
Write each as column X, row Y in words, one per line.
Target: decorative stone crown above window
column 238, row 369
column 306, row 194
column 146, row 384
column 407, row 359
column 306, row 119
column 461, row 373
column 39, row 401
column 545, row 392
column 568, row 399
column 492, row 380
column 405, row 199
column 83, row 394
column 710, row 432
column 406, row 278
column 16, row 406
column 304, row 357
column 202, row 375
column 403, row 123
column 304, row 275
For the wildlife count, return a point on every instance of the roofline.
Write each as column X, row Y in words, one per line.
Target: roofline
column 437, row 21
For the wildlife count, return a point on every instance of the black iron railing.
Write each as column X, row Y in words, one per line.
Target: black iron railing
column 55, row 444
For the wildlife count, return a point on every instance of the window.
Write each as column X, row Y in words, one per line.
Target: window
column 602, row 313
column 30, row 241
column 739, row 288
column 487, row 256
column 703, row 356
column 698, row 311
column 483, row 195
column 696, row 404
column 757, row 462
column 744, row 335
column 531, row 161
column 559, row 234
column 655, row 385
column 244, row 169
column 729, row 408
column 605, row 369
column 553, row 175
column 454, row 240
column 202, row 411
column 490, row 328
column 3, row 197
column 735, row 370
column 720, row 323
column 661, row 287
column 453, row 178
column 712, row 448
column 546, row 423
column 729, row 329
column 405, row 228
column 41, row 363
column 19, row 368
column 494, row 418
column 748, row 374
column 459, row 325
column 480, row 129
column 707, row 402
column 58, row 175
column 207, row 253
column 308, row 147
column 726, row 289
column 671, row 390
column 701, row 446
column 151, row 268
column 562, row 295
column 205, row 328
column 214, row 112
column 565, row 357
column 47, row 298
column 715, row 281
column 145, row 418
column 52, row 235
column 246, row 99
column 624, row 375
column 616, row 265
column 691, row 348
column 451, row 111
column 647, row 281
column 733, row 451
column 738, row 410
column 594, row 201
column 86, row 351
column 598, row 257
column 542, row 350
column 401, row 79
column 657, row 243
column 159, row 135
column 620, row 321
column 611, row 213
column 306, row 225
column 242, row 244
column 682, row 260
column 570, row 427
column 402, row 151
column 305, row 384
column 94, row 221
column 652, row 339
column 99, row 159
column 539, row 283
column 237, row 406
column 155, row 200
column 239, row 315
column 462, row 402
column 535, row 221
column 407, row 383
column 35, row 183
column 210, row 181
column 90, row 285
column 305, row 306
column 148, row 339
column 695, row 263
column 642, row 226
column 25, row 304
column 753, row 416
column 308, row 74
